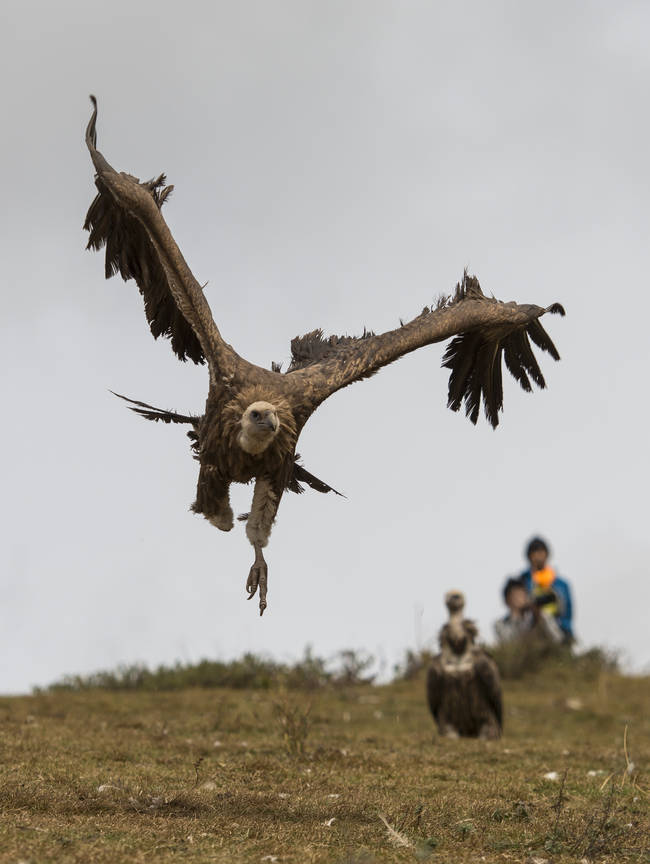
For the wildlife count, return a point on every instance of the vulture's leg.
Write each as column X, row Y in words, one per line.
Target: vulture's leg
column 258, row 529
column 449, row 731
column 489, row 731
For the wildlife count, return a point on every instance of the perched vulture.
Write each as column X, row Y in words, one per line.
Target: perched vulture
column 253, row 416
column 463, row 685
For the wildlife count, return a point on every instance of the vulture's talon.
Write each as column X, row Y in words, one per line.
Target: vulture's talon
column 251, row 585
column 258, row 578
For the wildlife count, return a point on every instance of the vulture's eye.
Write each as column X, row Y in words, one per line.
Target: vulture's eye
column 255, row 415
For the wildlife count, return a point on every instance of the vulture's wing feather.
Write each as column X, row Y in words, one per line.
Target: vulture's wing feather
column 315, row 346
column 487, row 674
column 149, row 412
column 435, row 686
column 484, row 331
column 301, row 475
column 125, row 217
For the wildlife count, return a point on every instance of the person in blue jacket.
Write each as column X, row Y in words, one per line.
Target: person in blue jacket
column 549, row 594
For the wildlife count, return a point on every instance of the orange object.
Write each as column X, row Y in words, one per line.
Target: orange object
column 544, row 578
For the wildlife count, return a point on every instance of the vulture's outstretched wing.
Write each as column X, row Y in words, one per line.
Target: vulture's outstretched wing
column 125, row 217
column 485, row 330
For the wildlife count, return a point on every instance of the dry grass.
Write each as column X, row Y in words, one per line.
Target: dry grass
column 347, row 775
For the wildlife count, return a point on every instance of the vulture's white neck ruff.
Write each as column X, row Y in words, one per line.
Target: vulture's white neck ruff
column 454, row 664
column 254, row 446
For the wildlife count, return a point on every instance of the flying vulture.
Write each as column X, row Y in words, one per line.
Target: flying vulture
column 463, row 685
column 253, row 416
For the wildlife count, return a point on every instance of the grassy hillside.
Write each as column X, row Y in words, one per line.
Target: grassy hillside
column 339, row 774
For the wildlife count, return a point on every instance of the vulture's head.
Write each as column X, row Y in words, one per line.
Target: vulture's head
column 259, row 426
column 455, row 602
column 457, row 636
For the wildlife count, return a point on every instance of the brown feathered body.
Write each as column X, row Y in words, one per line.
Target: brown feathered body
column 463, row 685
column 219, row 430
column 253, row 416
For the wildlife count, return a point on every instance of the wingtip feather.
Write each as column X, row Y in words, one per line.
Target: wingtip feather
column 91, row 131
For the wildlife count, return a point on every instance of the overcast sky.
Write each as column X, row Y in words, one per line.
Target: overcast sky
column 337, row 164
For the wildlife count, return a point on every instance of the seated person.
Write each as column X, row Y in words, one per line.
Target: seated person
column 548, row 592
column 525, row 619
column 519, row 620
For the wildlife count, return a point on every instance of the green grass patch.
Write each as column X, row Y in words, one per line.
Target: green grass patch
column 249, row 672
column 340, row 773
